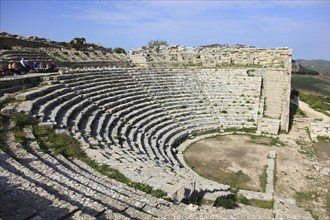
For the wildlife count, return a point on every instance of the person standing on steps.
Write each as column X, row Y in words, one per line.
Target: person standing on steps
column 14, row 68
column 35, row 67
column 24, row 65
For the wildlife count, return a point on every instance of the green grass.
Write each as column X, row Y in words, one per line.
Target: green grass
column 302, row 197
column 301, row 113
column 256, row 139
column 263, row 179
column 206, row 202
column 4, row 119
column 235, row 179
column 265, row 204
column 323, row 139
column 3, row 103
column 311, row 84
column 231, row 201
column 277, row 142
column 55, row 143
column 242, row 199
column 239, row 65
column 267, row 141
column 247, row 130
column 309, row 151
column 188, row 65
column 305, row 200
column 317, row 103
column 69, row 147
column 274, row 174
column 20, row 122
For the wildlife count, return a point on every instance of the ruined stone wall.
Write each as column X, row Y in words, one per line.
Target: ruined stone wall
column 212, row 56
column 272, row 64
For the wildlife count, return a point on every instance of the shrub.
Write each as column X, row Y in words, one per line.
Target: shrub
column 22, row 120
column 78, row 43
column 227, row 203
column 155, row 43
column 119, row 50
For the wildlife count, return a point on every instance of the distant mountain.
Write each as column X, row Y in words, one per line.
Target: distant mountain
column 321, row 66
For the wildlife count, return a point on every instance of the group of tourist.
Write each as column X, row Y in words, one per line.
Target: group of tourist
column 23, row 67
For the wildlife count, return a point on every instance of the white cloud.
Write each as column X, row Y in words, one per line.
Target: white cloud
column 137, row 12
column 204, row 22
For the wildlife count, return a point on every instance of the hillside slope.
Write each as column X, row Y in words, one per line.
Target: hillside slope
column 321, row 66
column 301, row 70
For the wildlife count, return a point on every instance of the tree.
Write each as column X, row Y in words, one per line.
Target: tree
column 78, row 43
column 119, row 50
column 154, row 43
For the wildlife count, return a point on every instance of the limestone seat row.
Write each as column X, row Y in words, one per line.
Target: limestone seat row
column 131, row 118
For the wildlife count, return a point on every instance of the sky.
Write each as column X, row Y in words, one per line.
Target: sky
column 300, row 25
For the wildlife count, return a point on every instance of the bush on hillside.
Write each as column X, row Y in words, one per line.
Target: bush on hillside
column 78, row 43
column 155, row 43
column 119, row 50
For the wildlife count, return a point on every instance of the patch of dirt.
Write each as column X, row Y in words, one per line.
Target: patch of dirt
column 322, row 149
column 213, row 158
column 302, row 167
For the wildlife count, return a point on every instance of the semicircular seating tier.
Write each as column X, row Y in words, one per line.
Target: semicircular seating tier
column 134, row 119
column 37, row 185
